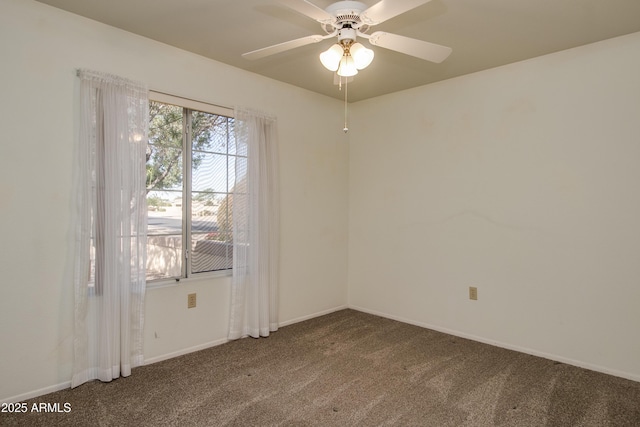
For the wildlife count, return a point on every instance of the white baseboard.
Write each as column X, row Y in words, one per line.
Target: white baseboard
column 507, row 346
column 151, row 360
column 311, row 316
column 224, row 340
column 185, row 351
column 36, row 393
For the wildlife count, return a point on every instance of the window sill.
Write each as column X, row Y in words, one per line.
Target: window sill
column 165, row 283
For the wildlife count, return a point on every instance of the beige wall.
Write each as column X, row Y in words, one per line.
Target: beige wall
column 523, row 181
column 41, row 48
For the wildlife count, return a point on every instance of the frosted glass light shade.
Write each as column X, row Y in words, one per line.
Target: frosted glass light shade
column 361, row 55
column 330, row 58
column 347, row 67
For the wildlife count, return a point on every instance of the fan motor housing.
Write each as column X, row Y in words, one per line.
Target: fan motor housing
column 346, row 33
column 347, row 12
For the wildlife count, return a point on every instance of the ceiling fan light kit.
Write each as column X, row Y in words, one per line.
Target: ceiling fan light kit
column 346, row 59
column 331, row 57
column 347, row 66
column 361, row 55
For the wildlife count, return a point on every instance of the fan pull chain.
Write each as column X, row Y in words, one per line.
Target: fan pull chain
column 346, row 90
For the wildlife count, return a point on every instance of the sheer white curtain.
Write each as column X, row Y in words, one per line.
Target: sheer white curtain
column 256, row 227
column 111, row 228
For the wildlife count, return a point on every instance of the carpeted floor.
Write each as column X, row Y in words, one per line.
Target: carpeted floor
column 349, row 369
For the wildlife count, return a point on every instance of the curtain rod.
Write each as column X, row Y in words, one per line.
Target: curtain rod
column 191, row 99
column 78, row 70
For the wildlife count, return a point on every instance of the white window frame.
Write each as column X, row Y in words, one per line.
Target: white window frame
column 186, row 274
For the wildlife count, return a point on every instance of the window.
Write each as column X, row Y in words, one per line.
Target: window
column 190, row 179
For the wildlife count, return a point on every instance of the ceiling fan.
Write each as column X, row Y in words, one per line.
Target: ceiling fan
column 348, row 20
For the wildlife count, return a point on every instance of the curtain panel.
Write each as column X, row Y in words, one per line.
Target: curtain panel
column 256, row 227
column 109, row 275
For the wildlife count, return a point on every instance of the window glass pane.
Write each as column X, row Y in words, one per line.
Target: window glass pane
column 209, row 172
column 211, row 252
column 211, row 249
column 164, row 212
column 164, row 151
column 223, row 216
column 164, row 234
column 164, row 168
column 164, row 256
column 165, row 124
column 209, row 132
column 164, row 191
column 204, row 207
column 210, row 228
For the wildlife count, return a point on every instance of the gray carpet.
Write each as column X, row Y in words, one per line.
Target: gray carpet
column 349, row 369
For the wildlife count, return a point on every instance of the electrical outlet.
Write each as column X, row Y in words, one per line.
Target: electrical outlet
column 191, row 301
column 473, row 293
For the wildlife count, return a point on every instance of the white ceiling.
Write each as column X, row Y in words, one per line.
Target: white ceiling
column 483, row 34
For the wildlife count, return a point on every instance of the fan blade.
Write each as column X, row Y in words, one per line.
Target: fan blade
column 309, row 9
column 387, row 9
column 418, row 48
column 281, row 47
